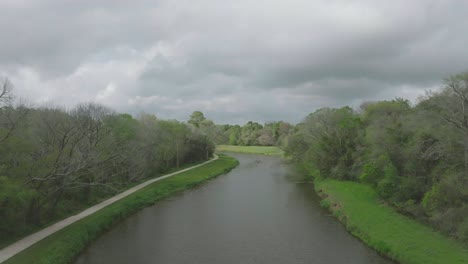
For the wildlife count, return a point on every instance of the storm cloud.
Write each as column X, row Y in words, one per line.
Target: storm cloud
column 234, row 60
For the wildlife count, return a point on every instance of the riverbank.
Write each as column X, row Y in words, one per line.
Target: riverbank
column 398, row 237
column 7, row 241
column 64, row 245
column 263, row 150
column 255, row 214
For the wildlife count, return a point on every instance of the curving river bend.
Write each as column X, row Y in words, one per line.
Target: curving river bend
column 255, row 214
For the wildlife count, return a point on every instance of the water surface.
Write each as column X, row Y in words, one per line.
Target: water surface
column 258, row 213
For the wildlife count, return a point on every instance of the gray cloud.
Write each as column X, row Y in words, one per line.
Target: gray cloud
column 236, row 61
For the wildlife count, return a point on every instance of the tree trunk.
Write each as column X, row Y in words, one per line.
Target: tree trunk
column 177, row 156
column 87, row 190
column 54, row 204
column 466, row 153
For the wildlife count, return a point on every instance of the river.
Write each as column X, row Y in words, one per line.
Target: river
column 258, row 213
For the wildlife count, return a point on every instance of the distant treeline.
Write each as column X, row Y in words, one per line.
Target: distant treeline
column 54, row 162
column 415, row 156
column 250, row 134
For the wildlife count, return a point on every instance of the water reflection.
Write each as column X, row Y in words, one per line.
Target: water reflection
column 258, row 213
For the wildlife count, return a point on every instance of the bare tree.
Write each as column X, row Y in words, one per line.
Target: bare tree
column 75, row 151
column 452, row 105
column 10, row 116
column 5, row 92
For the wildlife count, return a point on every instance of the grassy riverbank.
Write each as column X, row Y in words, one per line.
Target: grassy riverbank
column 5, row 241
column 66, row 244
column 263, row 150
column 385, row 230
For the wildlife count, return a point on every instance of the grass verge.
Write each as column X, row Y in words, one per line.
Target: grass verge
column 263, row 150
column 64, row 245
column 379, row 226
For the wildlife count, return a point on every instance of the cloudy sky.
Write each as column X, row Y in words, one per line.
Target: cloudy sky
column 234, row 60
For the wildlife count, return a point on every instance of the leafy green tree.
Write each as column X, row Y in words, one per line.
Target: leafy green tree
column 196, row 118
column 58, row 161
column 250, row 133
column 333, row 136
column 414, row 156
column 234, row 135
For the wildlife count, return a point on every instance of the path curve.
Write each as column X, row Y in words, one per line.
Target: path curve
column 28, row 241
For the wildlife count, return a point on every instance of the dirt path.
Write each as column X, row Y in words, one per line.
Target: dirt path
column 26, row 242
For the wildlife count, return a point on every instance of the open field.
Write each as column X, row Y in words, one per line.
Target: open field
column 385, row 230
column 264, row 150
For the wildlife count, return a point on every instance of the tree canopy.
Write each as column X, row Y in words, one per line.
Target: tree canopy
column 54, row 162
column 415, row 156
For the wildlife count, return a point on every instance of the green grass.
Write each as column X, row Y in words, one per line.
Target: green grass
column 385, row 230
column 264, row 150
column 66, row 244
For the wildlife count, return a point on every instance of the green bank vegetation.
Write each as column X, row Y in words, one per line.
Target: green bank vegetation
column 65, row 245
column 263, row 150
column 394, row 172
column 55, row 162
column 358, row 206
column 415, row 156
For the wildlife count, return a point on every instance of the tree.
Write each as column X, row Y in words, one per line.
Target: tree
column 267, row 137
column 61, row 161
column 250, row 133
column 10, row 116
column 296, row 146
column 332, row 134
column 196, row 118
column 5, row 92
column 416, row 157
column 385, row 134
column 234, row 133
column 452, row 105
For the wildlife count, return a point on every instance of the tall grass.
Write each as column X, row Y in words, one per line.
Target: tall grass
column 66, row 244
column 382, row 228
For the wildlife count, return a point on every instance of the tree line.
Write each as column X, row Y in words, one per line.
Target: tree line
column 415, row 156
column 250, row 134
column 55, row 161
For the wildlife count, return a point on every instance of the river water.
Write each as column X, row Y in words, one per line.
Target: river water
column 258, row 213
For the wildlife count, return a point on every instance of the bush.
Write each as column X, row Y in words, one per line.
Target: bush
column 370, row 173
column 388, row 186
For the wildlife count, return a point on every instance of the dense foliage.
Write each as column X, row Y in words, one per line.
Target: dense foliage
column 415, row 156
column 55, row 161
column 64, row 245
column 250, row 134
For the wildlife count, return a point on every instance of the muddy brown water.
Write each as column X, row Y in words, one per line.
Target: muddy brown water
column 258, row 213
